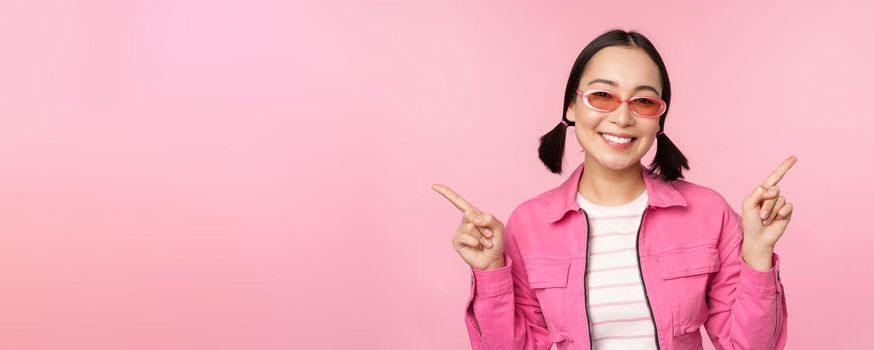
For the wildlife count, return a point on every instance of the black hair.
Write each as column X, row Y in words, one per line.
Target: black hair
column 669, row 162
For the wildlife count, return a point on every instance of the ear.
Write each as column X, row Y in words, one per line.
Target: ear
column 570, row 112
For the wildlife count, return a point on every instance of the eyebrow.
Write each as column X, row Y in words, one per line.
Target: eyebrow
column 614, row 84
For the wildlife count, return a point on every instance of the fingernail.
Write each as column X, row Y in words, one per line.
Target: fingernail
column 771, row 191
column 489, row 232
column 764, row 214
column 487, row 242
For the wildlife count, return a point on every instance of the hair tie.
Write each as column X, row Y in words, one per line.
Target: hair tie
column 566, row 122
column 660, row 133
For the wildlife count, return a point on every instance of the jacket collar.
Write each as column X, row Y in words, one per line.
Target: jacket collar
column 660, row 193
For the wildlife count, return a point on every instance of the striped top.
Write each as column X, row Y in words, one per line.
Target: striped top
column 618, row 311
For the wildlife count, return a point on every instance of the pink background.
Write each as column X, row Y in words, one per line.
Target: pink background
column 256, row 174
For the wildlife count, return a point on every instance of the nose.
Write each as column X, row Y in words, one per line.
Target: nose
column 622, row 116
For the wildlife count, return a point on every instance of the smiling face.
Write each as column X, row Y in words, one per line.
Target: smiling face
column 627, row 71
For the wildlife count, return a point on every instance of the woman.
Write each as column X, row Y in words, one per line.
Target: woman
column 620, row 256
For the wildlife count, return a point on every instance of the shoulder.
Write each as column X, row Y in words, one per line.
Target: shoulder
column 536, row 206
column 697, row 195
column 706, row 205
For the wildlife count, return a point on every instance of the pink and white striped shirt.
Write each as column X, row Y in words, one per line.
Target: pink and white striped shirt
column 620, row 317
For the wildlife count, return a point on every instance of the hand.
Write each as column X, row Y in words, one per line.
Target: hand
column 479, row 238
column 765, row 216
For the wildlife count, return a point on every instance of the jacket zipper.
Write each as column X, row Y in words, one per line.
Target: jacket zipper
column 586, row 282
column 642, row 282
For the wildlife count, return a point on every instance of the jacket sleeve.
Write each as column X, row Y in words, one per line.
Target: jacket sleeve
column 747, row 306
column 502, row 311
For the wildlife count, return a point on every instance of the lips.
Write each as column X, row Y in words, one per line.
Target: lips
column 617, row 145
column 618, row 135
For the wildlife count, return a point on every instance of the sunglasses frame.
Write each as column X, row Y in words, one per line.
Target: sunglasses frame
column 585, row 95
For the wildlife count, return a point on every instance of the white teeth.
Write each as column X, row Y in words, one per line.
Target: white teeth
column 617, row 139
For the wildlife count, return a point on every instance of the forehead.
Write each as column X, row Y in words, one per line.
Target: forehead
column 629, row 67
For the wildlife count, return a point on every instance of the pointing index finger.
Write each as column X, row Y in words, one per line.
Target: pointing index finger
column 453, row 197
column 779, row 172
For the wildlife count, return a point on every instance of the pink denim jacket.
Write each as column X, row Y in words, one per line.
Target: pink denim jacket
column 689, row 249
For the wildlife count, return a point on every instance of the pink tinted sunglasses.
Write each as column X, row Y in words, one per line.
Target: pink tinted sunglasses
column 608, row 101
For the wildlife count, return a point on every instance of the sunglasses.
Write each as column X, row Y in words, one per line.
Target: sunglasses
column 608, row 101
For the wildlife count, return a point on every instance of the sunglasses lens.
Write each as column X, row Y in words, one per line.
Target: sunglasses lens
column 603, row 100
column 646, row 106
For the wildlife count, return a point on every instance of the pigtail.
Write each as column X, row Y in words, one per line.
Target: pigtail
column 551, row 150
column 669, row 162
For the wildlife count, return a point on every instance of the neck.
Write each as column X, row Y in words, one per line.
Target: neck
column 609, row 187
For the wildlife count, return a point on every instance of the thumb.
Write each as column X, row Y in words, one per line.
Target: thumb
column 759, row 194
column 488, row 224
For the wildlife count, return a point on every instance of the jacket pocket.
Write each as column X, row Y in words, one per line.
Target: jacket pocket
column 686, row 270
column 548, row 279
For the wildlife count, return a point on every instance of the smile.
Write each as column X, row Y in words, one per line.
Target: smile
column 617, row 139
column 618, row 142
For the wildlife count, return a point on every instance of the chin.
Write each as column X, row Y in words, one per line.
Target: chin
column 614, row 162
